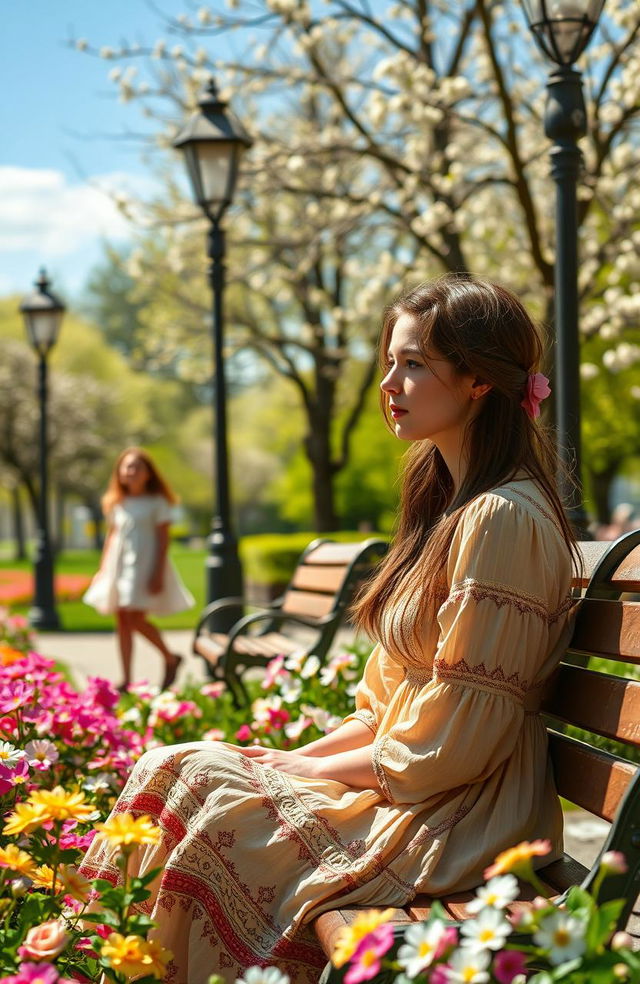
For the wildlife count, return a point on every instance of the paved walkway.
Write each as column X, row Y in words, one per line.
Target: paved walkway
column 96, row 654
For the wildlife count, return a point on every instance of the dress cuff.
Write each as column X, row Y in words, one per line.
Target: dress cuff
column 378, row 769
column 366, row 716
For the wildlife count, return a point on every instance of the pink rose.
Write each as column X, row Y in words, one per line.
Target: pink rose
column 44, row 942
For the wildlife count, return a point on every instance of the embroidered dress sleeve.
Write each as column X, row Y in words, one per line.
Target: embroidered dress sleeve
column 379, row 681
column 509, row 575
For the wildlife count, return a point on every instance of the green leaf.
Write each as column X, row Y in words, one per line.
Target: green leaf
column 578, row 899
column 603, row 923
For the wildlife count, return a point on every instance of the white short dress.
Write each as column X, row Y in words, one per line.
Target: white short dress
column 123, row 580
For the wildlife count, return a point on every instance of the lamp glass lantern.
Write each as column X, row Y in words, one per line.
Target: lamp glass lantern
column 213, row 142
column 563, row 28
column 42, row 312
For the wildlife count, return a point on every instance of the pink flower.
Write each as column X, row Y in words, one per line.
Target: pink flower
column 439, row 974
column 214, row 734
column 614, row 863
column 44, row 942
column 536, row 389
column 215, row 689
column 13, row 775
column 365, row 962
column 448, row 939
column 275, row 668
column 15, row 695
column 278, row 717
column 244, row 733
column 508, row 964
column 30, row 973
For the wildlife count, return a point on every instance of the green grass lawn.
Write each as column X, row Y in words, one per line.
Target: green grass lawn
column 78, row 617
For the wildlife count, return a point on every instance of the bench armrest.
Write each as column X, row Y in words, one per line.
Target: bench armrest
column 222, row 603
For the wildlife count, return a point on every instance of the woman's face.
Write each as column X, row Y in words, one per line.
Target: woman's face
column 426, row 400
column 133, row 474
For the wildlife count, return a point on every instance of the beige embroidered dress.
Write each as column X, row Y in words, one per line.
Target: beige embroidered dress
column 250, row 855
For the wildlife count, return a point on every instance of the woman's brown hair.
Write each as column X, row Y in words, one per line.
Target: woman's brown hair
column 156, row 484
column 484, row 331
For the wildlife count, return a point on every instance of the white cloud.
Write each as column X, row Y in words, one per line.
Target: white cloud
column 42, row 212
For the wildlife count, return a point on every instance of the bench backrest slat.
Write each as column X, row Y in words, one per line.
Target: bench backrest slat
column 313, row 577
column 596, row 702
column 308, row 603
column 608, row 628
column 589, row 777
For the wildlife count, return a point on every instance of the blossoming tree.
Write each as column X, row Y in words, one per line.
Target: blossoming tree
column 392, row 141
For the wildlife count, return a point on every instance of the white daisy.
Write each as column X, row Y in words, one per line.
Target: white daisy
column 420, row 946
column 9, row 754
column 487, row 931
column 563, row 935
column 310, row 668
column 497, row 893
column 41, row 753
column 468, row 967
column 260, row 975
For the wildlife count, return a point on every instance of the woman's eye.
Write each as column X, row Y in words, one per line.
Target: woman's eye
column 412, row 364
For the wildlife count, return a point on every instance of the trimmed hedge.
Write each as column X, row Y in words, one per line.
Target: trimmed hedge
column 271, row 558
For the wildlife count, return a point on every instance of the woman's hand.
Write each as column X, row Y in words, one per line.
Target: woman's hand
column 293, row 763
column 156, row 582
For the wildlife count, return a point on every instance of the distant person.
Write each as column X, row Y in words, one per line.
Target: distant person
column 622, row 521
column 136, row 577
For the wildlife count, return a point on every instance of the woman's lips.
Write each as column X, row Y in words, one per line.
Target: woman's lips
column 397, row 412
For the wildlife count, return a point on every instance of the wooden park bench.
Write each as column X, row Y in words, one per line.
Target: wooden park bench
column 317, row 597
column 590, row 698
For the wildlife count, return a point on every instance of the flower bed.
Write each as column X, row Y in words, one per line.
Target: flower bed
column 16, row 587
column 63, row 758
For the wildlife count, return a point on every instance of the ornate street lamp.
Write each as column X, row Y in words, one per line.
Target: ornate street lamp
column 213, row 142
column 43, row 313
column 562, row 29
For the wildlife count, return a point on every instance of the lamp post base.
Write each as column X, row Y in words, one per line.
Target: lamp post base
column 224, row 578
column 44, row 619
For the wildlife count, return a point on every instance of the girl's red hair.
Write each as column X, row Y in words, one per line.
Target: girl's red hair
column 156, row 484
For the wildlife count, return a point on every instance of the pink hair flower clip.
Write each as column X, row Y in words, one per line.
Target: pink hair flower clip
column 536, row 389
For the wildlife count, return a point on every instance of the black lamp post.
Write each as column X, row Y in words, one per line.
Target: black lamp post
column 562, row 29
column 43, row 313
column 213, row 142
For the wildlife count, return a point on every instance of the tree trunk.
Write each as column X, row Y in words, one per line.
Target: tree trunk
column 317, row 446
column 20, row 546
column 600, row 489
column 96, row 519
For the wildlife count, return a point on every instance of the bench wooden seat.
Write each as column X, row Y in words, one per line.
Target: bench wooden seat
column 319, row 593
column 590, row 696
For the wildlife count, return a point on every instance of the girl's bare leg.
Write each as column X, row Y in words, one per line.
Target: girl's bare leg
column 152, row 633
column 125, row 642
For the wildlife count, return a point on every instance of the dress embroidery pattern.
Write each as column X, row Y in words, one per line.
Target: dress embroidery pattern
column 478, row 675
column 500, row 595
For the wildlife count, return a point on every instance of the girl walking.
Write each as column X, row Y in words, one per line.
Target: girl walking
column 136, row 577
column 443, row 763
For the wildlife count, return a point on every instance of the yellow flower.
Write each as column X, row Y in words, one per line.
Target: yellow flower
column 15, row 859
column 518, row 859
column 135, row 957
column 74, row 883
column 61, row 805
column 43, row 877
column 159, row 957
column 25, row 818
column 124, row 830
column 350, row 936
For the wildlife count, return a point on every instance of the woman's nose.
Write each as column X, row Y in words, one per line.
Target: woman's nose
column 390, row 383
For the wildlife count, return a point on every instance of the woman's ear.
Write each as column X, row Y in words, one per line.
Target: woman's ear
column 479, row 389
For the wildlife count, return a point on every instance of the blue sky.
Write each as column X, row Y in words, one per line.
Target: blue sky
column 56, row 104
